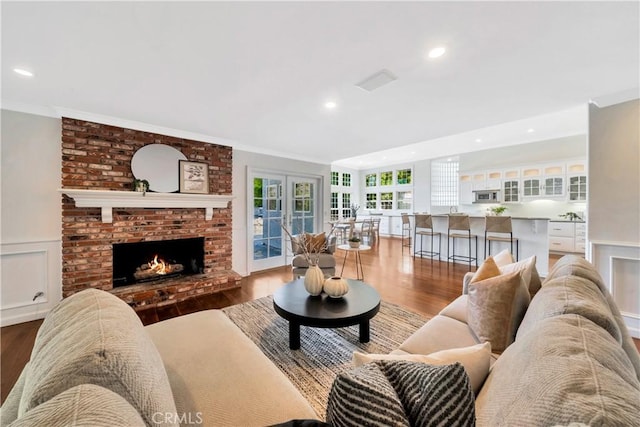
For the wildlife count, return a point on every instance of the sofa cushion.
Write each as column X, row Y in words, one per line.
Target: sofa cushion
column 578, row 266
column 475, row 360
column 85, row 405
column 570, row 294
column 565, row 370
column 217, row 371
column 496, row 307
column 457, row 309
column 401, row 393
column 93, row 337
column 439, row 333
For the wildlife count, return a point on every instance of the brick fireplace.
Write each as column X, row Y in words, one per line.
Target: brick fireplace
column 98, row 157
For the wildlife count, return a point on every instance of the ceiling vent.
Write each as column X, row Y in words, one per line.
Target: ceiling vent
column 377, row 80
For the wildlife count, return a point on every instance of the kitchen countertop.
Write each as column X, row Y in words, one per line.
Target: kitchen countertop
column 472, row 216
column 566, row 220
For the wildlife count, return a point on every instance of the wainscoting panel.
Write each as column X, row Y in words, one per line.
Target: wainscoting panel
column 31, row 280
column 619, row 265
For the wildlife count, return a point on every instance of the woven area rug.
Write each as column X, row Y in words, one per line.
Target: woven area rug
column 323, row 352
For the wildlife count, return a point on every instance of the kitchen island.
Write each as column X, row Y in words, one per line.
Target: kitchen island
column 532, row 233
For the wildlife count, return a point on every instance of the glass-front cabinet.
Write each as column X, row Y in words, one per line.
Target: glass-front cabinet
column 511, row 190
column 577, row 176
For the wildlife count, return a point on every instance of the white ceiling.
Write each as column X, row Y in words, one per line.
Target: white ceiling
column 256, row 75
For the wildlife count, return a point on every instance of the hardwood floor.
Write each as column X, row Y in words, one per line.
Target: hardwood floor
column 420, row 285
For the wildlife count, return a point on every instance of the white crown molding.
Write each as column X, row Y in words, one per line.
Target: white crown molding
column 616, row 98
column 107, row 200
column 59, row 112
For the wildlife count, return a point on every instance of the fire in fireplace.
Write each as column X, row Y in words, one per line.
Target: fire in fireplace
column 157, row 260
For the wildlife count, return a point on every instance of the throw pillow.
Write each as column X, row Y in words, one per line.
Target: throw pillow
column 503, row 258
column 495, row 308
column 364, row 396
column 432, row 395
column 486, row 270
column 529, row 273
column 315, row 243
column 475, row 359
column 401, row 393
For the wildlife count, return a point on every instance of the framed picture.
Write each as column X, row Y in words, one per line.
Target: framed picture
column 194, row 177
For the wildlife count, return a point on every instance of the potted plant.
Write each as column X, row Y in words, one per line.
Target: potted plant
column 497, row 210
column 354, row 242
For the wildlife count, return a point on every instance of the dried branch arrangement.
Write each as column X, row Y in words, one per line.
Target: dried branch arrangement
column 310, row 246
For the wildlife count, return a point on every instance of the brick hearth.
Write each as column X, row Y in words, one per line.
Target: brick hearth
column 98, row 157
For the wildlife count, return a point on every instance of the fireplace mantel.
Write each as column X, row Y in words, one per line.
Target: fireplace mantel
column 107, row 200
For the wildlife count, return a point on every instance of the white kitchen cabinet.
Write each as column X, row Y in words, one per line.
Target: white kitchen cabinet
column 567, row 236
column 531, row 182
column 554, row 176
column 465, row 191
column 511, row 186
column 577, row 179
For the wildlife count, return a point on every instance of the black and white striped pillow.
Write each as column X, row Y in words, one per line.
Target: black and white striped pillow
column 428, row 395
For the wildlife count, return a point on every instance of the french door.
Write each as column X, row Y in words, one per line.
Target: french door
column 277, row 200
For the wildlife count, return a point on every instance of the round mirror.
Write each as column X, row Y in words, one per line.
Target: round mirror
column 158, row 164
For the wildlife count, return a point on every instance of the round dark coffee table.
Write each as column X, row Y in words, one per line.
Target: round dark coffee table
column 293, row 303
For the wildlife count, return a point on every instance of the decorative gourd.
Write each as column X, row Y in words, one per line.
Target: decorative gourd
column 336, row 287
column 314, row 280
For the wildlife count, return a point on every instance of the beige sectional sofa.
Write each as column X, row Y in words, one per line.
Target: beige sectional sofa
column 572, row 359
column 94, row 363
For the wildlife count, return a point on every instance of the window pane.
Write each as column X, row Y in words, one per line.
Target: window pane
column 386, row 201
column 346, row 180
column 404, row 176
column 405, row 199
column 335, row 178
column 386, row 178
column 346, row 200
column 372, row 201
column 371, row 180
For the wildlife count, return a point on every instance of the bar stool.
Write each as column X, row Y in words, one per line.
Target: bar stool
column 406, row 228
column 498, row 225
column 459, row 227
column 425, row 224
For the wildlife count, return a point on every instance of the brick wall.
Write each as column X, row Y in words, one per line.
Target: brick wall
column 98, row 157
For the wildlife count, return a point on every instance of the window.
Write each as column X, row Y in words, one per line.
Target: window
column 346, row 180
column 404, row 176
column 371, row 180
column 404, row 199
column 346, row 205
column 372, row 201
column 335, row 178
column 335, row 209
column 386, row 178
column 444, row 182
column 386, row 201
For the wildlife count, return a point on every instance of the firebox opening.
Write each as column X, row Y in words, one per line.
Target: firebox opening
column 158, row 260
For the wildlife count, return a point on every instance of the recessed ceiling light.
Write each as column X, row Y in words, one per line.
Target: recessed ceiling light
column 23, row 72
column 437, row 52
column 330, row 105
column 530, row 130
column 478, row 140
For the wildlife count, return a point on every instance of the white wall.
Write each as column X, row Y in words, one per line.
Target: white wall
column 613, row 231
column 31, row 212
column 242, row 160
